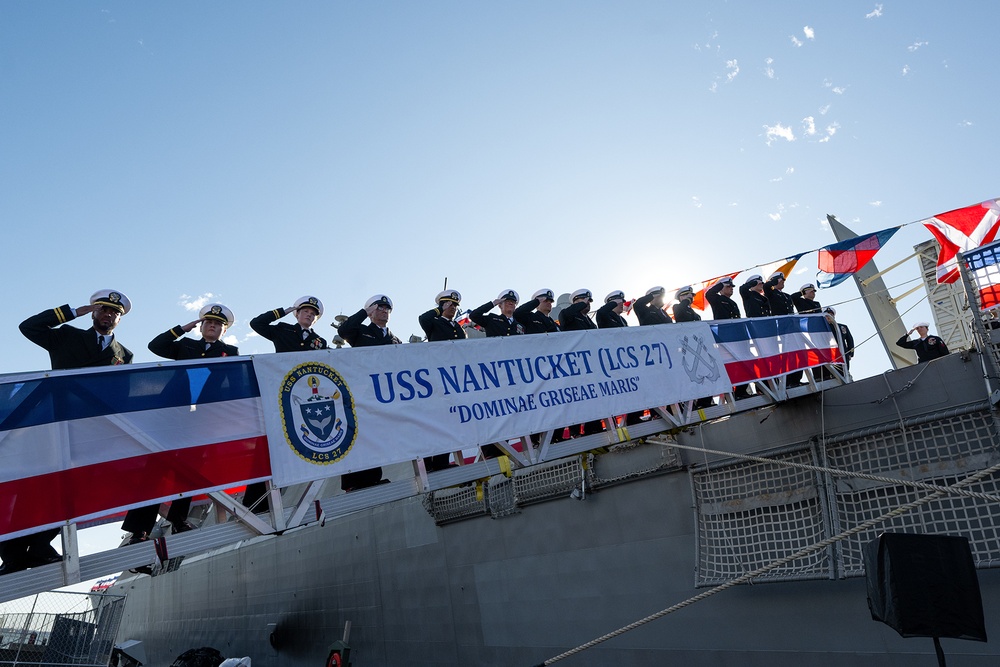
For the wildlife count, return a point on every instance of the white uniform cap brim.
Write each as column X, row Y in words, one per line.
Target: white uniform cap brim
column 922, row 324
column 311, row 302
column 111, row 297
column 377, row 299
column 217, row 312
column 543, row 292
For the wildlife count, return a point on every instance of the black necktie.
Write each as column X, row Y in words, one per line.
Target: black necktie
column 100, row 342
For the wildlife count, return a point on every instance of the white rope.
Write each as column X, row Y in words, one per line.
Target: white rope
column 902, row 509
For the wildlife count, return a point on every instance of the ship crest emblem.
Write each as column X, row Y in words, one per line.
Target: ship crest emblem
column 698, row 363
column 317, row 413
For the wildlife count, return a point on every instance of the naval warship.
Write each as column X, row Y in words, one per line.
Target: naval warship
column 726, row 535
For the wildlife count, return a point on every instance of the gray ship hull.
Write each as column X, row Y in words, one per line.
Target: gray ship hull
column 522, row 588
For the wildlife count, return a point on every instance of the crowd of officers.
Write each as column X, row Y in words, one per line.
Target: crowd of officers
column 71, row 347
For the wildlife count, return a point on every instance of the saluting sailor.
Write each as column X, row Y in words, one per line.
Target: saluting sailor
column 609, row 316
column 68, row 347
column 755, row 302
column 649, row 308
column 683, row 312
column 296, row 337
column 804, row 301
column 503, row 324
column 574, row 316
column 927, row 347
column 358, row 334
column 439, row 323
column 781, row 303
column 719, row 296
column 534, row 315
column 213, row 319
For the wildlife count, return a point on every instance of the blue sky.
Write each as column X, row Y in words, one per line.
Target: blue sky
column 259, row 151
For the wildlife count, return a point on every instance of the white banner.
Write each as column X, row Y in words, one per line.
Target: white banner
column 335, row 411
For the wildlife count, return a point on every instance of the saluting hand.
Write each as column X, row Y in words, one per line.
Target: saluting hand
column 289, row 309
column 370, row 310
column 83, row 310
column 191, row 325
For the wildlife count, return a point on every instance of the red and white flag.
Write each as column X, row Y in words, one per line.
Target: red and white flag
column 962, row 230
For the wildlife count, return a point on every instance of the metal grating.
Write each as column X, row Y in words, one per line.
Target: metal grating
column 634, row 459
column 455, row 504
column 751, row 514
column 547, row 481
column 939, row 452
column 60, row 629
column 500, row 496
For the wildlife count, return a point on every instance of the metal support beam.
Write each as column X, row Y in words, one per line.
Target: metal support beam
column 243, row 514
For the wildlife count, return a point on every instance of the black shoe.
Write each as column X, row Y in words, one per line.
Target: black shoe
column 7, row 569
column 44, row 560
column 181, row 527
column 142, row 569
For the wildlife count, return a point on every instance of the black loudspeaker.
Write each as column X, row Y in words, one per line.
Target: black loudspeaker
column 924, row 586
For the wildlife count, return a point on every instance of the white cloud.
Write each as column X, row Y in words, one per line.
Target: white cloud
column 906, row 70
column 252, row 334
column 875, row 13
column 795, row 40
column 809, row 32
column 714, row 87
column 778, row 131
column 809, row 125
column 696, row 201
column 965, row 123
column 876, row 203
column 790, row 170
column 230, row 340
column 776, row 179
column 916, row 45
column 768, row 70
column 823, row 109
column 840, row 90
column 777, row 214
column 734, row 69
column 831, row 130
column 194, row 303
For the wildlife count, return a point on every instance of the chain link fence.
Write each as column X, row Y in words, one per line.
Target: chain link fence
column 60, row 628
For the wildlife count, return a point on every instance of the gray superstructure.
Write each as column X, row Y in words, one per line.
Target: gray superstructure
column 522, row 581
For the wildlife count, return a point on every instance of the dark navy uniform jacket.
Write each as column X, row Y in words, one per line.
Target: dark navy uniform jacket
column 754, row 303
column 493, row 324
column 683, row 312
column 365, row 335
column 439, row 328
column 845, row 335
column 69, row 347
column 723, row 308
column 928, row 348
column 781, row 303
column 648, row 314
column 608, row 319
column 286, row 337
column 167, row 346
column 533, row 321
column 804, row 305
column 572, row 318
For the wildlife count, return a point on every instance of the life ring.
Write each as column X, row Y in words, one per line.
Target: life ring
column 334, row 660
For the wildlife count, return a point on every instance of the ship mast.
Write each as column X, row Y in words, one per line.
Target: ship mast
column 881, row 307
